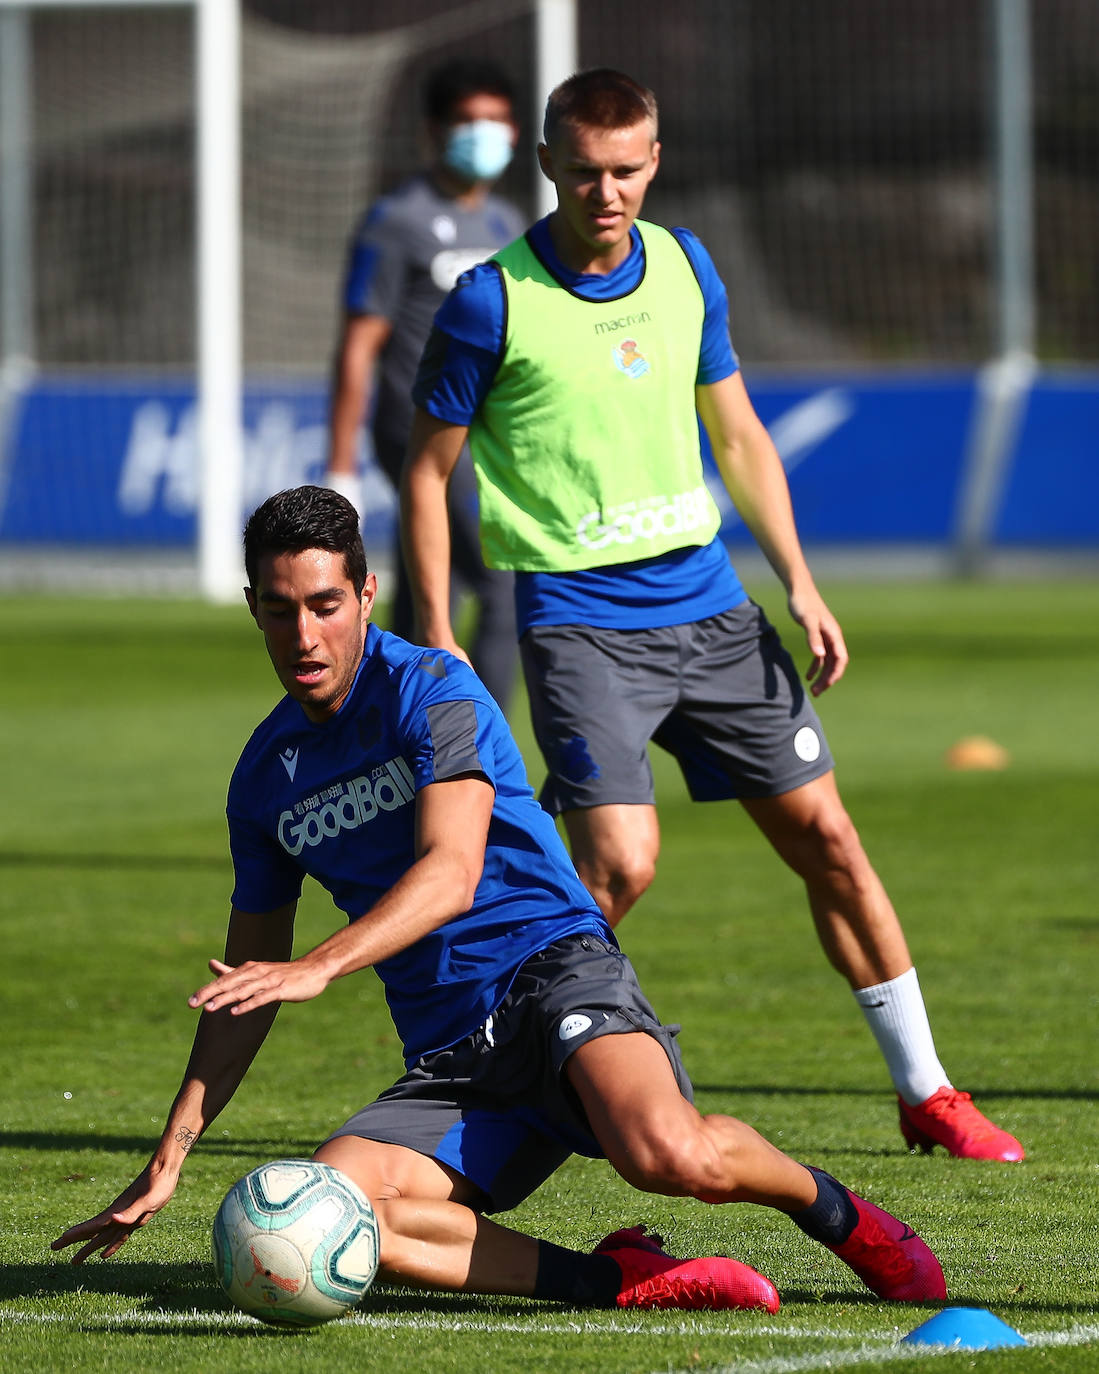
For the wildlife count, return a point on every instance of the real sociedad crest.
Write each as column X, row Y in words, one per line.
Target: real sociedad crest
column 629, row 359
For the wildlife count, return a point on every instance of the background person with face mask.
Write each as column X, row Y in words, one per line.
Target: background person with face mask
column 406, row 254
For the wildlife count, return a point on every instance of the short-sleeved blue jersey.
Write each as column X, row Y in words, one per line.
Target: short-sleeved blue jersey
column 457, row 372
column 337, row 801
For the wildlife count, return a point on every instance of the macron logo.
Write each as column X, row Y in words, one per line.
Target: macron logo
column 433, row 664
column 289, row 760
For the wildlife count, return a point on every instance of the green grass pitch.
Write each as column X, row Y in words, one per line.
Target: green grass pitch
column 120, row 722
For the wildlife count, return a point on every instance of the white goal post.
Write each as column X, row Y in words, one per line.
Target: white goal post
column 218, row 276
column 219, row 230
column 220, row 300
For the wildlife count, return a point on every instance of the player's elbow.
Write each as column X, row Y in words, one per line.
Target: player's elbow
column 466, row 891
column 459, row 878
column 465, row 895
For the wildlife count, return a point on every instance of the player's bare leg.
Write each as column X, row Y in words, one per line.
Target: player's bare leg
column 862, row 937
column 432, row 1236
column 856, row 923
column 661, row 1143
column 614, row 848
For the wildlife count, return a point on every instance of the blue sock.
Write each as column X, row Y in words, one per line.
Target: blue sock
column 832, row 1217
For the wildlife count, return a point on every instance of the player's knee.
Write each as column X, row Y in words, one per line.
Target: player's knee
column 832, row 843
column 392, row 1242
column 616, row 881
column 629, row 878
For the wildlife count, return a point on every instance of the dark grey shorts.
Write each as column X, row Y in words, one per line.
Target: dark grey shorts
column 721, row 695
column 496, row 1107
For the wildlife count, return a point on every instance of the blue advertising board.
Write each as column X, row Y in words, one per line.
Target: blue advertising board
column 1051, row 495
column 107, row 462
column 871, row 458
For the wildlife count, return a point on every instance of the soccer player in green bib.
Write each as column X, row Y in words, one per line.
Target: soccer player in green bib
column 578, row 362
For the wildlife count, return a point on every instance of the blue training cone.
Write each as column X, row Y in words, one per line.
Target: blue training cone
column 964, row 1328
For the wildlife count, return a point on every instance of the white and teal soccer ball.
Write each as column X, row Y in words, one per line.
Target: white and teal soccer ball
column 295, row 1242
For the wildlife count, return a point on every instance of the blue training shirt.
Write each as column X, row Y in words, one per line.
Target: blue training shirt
column 336, row 800
column 457, row 372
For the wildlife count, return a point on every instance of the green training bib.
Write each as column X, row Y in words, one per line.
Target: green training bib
column 586, row 449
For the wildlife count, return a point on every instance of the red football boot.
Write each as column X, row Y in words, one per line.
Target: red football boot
column 949, row 1118
column 651, row 1278
column 889, row 1256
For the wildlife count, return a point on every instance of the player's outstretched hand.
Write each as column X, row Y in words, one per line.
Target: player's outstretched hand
column 108, row 1232
column 256, row 984
column 825, row 639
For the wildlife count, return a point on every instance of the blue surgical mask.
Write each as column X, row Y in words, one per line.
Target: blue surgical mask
column 480, row 150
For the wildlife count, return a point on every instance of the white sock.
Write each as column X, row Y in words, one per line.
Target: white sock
column 896, row 1014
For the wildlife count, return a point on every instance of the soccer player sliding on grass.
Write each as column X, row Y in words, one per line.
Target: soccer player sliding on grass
column 578, row 361
column 388, row 773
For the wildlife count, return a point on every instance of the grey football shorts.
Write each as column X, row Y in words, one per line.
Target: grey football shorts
column 497, row 1107
column 721, row 695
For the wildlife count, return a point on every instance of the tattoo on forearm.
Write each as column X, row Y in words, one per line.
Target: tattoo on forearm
column 185, row 1137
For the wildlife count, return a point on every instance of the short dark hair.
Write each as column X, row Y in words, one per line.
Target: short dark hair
column 305, row 518
column 465, row 76
column 600, row 98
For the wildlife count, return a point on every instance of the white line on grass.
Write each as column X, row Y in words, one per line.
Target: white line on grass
column 113, row 1319
column 868, row 1352
column 880, row 1349
column 619, row 1325
column 1075, row 1335
column 427, row 1321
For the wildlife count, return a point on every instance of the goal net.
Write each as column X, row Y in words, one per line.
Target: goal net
column 98, row 435
column 836, row 158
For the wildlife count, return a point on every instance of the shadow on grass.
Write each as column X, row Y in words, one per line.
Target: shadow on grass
column 156, row 1290
column 1085, row 924
column 1012, row 1307
column 166, row 1289
column 173, row 1287
column 191, row 1289
column 94, row 863
column 61, row 1141
column 823, row 1090
column 1004, row 1306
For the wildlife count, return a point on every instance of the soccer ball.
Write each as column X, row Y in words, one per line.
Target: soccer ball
column 295, row 1243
